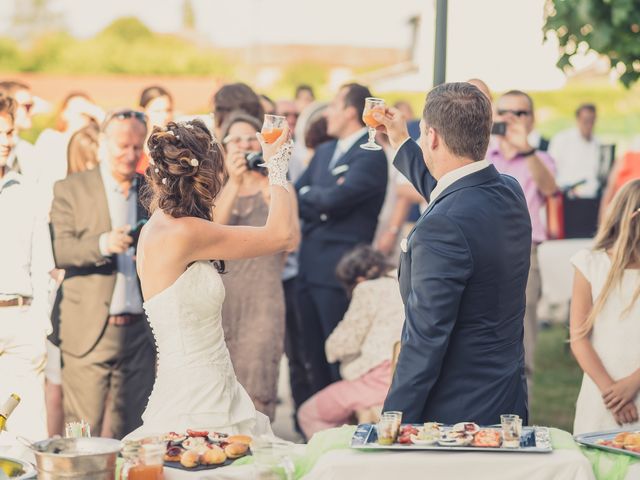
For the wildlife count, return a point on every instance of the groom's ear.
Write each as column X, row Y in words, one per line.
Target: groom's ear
column 433, row 138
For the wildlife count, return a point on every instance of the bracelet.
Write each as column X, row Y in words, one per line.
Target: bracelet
column 528, row 153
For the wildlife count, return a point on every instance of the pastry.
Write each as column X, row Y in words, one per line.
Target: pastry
column 173, row 454
column 190, row 459
column 236, row 450
column 214, row 456
column 246, row 439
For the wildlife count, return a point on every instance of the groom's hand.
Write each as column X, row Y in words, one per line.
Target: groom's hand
column 394, row 125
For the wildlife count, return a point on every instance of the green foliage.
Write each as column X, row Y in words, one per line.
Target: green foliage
column 308, row 73
column 126, row 46
column 609, row 27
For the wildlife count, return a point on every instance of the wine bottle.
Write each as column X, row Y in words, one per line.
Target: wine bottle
column 6, row 409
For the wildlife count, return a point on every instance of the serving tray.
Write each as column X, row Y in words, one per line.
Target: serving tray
column 592, row 439
column 533, row 440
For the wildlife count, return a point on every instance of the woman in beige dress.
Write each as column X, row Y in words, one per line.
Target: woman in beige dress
column 253, row 314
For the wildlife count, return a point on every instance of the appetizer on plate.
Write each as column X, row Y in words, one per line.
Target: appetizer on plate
column 487, row 438
column 466, row 427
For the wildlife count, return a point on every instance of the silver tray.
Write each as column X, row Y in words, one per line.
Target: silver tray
column 591, row 440
column 534, row 440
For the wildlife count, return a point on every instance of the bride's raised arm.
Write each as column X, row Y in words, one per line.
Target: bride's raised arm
column 209, row 240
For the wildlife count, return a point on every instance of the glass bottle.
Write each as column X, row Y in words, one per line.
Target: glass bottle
column 8, row 408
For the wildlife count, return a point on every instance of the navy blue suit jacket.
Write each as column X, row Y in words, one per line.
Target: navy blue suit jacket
column 340, row 207
column 463, row 279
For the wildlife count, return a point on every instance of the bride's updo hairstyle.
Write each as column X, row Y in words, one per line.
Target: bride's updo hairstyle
column 186, row 170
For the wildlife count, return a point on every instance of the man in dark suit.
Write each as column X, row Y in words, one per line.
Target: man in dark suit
column 463, row 271
column 340, row 196
column 104, row 338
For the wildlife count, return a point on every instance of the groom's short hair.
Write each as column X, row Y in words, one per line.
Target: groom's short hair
column 461, row 114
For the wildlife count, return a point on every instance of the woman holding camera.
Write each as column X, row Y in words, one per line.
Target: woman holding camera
column 253, row 313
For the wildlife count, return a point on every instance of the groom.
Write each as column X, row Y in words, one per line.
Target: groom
column 463, row 271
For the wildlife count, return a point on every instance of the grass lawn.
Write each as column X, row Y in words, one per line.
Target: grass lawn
column 556, row 381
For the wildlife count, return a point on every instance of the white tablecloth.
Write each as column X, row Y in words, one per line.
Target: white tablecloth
column 349, row 464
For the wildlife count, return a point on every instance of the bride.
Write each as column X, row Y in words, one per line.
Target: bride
column 180, row 257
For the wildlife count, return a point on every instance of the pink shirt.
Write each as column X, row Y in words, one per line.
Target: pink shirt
column 517, row 168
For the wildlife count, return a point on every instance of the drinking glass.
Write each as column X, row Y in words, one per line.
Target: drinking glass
column 511, row 430
column 372, row 105
column 272, row 127
column 387, row 430
column 273, row 460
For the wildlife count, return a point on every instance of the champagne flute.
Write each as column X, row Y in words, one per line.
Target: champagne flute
column 272, row 127
column 372, row 105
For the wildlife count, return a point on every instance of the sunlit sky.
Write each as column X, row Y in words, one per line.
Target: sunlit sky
column 497, row 40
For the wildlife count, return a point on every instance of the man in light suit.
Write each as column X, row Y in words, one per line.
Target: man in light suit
column 106, row 346
column 463, row 271
column 340, row 196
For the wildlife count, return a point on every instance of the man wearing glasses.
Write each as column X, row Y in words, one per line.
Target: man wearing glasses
column 535, row 170
column 106, row 348
column 23, row 159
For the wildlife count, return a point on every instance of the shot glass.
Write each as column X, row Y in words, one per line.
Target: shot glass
column 511, row 430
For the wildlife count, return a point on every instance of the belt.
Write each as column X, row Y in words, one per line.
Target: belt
column 124, row 319
column 19, row 301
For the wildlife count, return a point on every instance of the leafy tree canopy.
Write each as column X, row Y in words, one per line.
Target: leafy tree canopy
column 608, row 27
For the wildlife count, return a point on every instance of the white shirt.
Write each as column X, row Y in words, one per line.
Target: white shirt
column 453, row 176
column 576, row 159
column 123, row 210
column 344, row 145
column 25, row 154
column 26, row 256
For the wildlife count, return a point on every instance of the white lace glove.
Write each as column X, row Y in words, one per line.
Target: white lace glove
column 278, row 165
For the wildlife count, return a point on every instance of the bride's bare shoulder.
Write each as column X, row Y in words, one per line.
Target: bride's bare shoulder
column 162, row 228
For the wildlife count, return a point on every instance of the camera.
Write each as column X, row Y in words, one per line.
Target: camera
column 254, row 160
column 499, row 128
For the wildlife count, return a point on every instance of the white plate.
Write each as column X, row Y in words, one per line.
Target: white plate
column 418, row 441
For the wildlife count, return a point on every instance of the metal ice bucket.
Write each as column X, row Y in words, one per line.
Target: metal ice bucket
column 76, row 458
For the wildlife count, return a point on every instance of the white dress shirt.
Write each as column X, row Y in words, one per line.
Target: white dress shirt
column 26, row 256
column 576, row 159
column 344, row 145
column 123, row 210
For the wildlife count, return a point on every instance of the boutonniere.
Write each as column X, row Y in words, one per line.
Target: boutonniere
column 339, row 169
column 404, row 245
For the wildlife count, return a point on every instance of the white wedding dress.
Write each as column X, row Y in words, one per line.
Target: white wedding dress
column 196, row 387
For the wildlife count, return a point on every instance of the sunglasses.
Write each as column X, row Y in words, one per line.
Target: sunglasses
column 517, row 113
column 124, row 115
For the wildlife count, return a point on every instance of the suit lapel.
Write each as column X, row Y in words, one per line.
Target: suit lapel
column 101, row 206
column 346, row 157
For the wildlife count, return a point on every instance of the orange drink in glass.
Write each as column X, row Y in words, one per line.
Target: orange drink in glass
column 272, row 127
column 372, row 105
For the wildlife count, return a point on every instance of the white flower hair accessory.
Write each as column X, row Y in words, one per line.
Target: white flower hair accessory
column 194, row 162
column 157, row 170
column 164, row 181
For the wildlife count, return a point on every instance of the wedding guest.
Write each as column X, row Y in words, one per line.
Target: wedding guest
column 268, row 105
column 106, row 344
column 340, row 197
column 26, row 261
column 288, row 110
column 23, row 158
column 576, row 152
column 363, row 342
column 76, row 111
column 304, row 96
column 625, row 169
column 299, row 378
column 82, row 152
column 463, row 271
column 253, row 316
column 605, row 331
column 235, row 96
column 535, row 170
column 157, row 104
